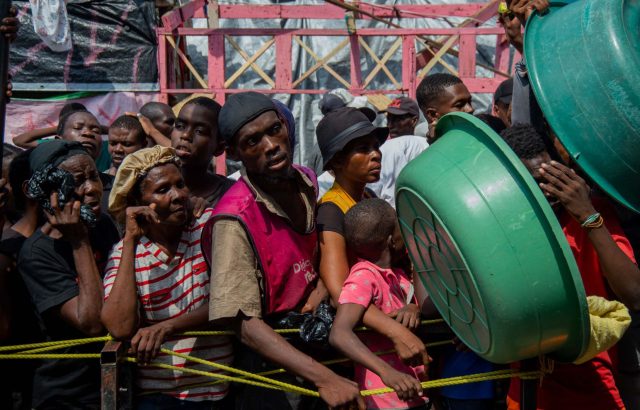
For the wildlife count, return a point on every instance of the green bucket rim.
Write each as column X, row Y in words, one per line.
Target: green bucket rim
column 552, row 118
column 549, row 224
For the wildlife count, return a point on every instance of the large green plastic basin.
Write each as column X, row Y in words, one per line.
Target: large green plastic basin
column 584, row 63
column 488, row 247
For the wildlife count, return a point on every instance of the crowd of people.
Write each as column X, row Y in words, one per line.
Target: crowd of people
column 155, row 243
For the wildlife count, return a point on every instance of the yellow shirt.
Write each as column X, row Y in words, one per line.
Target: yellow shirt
column 340, row 197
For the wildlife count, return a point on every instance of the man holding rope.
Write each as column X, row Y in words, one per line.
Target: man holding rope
column 263, row 244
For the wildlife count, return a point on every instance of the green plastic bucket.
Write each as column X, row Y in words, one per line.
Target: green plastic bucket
column 488, row 247
column 583, row 59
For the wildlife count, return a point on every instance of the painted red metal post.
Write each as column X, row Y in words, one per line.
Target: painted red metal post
column 283, row 60
column 503, row 53
column 409, row 65
column 328, row 11
column 215, row 70
column 216, row 65
column 476, row 15
column 467, row 59
column 162, row 67
column 356, row 64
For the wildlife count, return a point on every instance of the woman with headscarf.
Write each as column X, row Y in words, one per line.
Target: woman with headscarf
column 61, row 265
column 157, row 281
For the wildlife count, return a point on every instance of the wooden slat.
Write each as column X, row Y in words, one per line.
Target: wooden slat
column 475, row 85
column 409, row 65
column 381, row 64
column 216, row 61
column 186, row 62
column 432, row 31
column 321, row 63
column 467, row 60
column 355, row 63
column 503, row 53
column 263, row 11
column 176, row 17
column 284, row 73
column 437, row 58
column 250, row 62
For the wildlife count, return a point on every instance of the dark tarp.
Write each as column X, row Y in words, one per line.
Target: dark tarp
column 114, row 48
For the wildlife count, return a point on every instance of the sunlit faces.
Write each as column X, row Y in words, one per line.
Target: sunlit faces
column 195, row 136
column 359, row 160
column 164, row 186
column 263, row 146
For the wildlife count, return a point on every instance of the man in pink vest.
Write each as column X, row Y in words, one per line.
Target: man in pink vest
column 263, row 248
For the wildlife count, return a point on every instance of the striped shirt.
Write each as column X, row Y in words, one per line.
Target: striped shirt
column 168, row 288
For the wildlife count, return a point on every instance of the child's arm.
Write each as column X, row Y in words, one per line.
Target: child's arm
column 427, row 308
column 156, row 136
column 344, row 339
column 30, row 139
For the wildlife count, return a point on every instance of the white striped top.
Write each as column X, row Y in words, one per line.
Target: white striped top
column 168, row 288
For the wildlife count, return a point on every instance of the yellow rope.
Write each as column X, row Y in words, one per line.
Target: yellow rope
column 265, row 382
column 56, row 343
column 51, row 348
column 208, row 374
column 285, row 331
column 280, row 371
column 107, row 338
column 499, row 374
column 290, row 387
column 20, row 356
column 474, row 378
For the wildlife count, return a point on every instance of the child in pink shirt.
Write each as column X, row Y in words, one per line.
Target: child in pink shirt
column 373, row 235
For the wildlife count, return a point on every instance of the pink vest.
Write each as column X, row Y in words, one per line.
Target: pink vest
column 286, row 258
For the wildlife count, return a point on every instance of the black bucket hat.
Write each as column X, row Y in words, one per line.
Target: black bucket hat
column 342, row 126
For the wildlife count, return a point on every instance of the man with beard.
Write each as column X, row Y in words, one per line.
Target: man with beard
column 263, row 244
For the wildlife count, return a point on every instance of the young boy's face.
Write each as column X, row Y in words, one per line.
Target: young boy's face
column 84, row 128
column 455, row 98
column 123, row 142
column 195, row 136
column 164, row 121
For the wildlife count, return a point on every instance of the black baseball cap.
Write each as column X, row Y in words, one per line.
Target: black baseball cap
column 403, row 106
column 240, row 109
column 503, row 92
column 341, row 126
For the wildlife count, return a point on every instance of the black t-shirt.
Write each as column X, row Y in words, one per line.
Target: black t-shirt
column 223, row 185
column 107, row 184
column 49, row 273
column 330, row 218
column 23, row 325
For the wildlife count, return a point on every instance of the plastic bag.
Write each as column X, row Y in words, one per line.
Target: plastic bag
column 49, row 179
column 51, row 24
column 314, row 327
